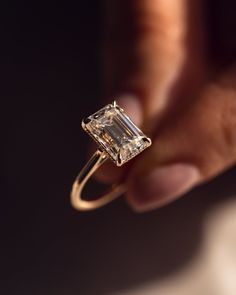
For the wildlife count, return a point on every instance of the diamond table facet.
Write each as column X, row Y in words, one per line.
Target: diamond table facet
column 115, row 133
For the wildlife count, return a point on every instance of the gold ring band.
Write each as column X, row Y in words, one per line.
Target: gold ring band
column 93, row 164
column 119, row 139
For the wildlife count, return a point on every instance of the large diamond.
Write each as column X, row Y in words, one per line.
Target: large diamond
column 113, row 130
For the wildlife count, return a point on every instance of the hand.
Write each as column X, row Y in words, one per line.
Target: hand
column 159, row 58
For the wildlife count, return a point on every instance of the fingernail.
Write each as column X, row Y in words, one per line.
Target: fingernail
column 161, row 186
column 132, row 107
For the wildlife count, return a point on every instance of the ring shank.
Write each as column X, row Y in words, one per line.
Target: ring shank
column 94, row 163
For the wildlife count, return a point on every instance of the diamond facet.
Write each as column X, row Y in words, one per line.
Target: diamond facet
column 113, row 130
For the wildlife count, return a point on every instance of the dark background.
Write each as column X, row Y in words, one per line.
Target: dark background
column 49, row 81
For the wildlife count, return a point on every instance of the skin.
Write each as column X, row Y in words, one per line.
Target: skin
column 179, row 87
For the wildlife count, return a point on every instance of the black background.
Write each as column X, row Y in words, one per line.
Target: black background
column 49, row 81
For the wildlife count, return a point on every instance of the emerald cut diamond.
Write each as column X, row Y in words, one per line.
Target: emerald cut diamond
column 116, row 134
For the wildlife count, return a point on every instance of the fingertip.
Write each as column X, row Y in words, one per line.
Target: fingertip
column 161, row 186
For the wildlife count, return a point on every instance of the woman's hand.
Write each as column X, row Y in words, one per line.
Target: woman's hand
column 159, row 60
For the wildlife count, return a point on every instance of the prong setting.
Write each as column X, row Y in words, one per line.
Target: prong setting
column 147, row 140
column 119, row 160
column 85, row 121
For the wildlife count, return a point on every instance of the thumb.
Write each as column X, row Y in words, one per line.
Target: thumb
column 190, row 149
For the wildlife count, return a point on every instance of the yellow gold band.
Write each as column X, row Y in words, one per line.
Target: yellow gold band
column 93, row 164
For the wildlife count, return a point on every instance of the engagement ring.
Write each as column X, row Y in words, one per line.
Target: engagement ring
column 119, row 139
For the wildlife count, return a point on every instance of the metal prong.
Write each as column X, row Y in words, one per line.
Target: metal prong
column 119, row 160
column 114, row 104
column 147, row 139
column 85, row 121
